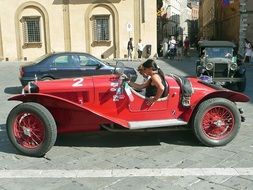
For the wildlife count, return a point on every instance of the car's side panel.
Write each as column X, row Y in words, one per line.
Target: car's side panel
column 69, row 116
column 82, row 104
column 135, row 108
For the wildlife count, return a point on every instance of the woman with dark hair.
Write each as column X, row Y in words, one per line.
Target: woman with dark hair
column 155, row 85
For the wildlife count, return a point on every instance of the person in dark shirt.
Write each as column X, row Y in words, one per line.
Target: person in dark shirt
column 155, row 85
column 186, row 46
column 130, row 49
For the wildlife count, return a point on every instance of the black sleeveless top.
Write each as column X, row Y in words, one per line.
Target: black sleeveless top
column 152, row 90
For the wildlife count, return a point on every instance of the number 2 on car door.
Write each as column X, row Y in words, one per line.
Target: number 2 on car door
column 77, row 82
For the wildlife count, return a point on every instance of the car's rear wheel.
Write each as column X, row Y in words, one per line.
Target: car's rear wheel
column 31, row 129
column 216, row 122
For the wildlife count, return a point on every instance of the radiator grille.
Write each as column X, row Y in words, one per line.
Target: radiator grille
column 220, row 70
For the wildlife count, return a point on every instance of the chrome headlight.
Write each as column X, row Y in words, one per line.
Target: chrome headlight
column 233, row 66
column 209, row 66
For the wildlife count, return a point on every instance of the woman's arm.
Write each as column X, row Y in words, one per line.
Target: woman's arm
column 139, row 86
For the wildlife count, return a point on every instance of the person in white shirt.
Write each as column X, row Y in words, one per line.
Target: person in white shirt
column 140, row 49
column 172, row 43
column 248, row 51
column 172, row 47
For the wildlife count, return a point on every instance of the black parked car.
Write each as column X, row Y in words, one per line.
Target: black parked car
column 67, row 65
column 219, row 61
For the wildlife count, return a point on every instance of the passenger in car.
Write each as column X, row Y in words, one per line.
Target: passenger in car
column 156, row 86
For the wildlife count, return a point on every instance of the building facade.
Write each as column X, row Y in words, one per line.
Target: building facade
column 193, row 27
column 246, row 23
column 194, row 10
column 228, row 21
column 208, row 18
column 232, row 21
column 173, row 19
column 29, row 29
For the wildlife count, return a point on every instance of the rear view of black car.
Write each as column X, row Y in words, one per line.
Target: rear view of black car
column 67, row 65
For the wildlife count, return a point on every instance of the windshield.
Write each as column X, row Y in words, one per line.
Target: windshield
column 220, row 52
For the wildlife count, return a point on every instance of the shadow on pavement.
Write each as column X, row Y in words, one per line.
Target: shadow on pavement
column 127, row 139
column 13, row 90
column 111, row 140
column 5, row 144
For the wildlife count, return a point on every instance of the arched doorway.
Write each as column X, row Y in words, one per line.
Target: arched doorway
column 32, row 30
column 102, row 30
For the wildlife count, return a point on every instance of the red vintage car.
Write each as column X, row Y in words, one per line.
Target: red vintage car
column 106, row 102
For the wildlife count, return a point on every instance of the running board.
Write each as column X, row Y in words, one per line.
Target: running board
column 160, row 129
column 133, row 125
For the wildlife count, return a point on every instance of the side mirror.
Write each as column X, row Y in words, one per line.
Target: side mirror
column 98, row 66
column 119, row 68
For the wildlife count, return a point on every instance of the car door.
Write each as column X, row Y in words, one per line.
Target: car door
column 65, row 66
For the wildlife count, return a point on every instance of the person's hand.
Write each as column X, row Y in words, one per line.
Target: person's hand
column 124, row 77
column 150, row 101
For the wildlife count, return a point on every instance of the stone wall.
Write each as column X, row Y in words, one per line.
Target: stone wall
column 68, row 25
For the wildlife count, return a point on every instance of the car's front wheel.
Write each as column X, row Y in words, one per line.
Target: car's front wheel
column 31, row 129
column 216, row 122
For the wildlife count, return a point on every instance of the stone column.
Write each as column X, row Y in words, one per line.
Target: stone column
column 66, row 25
column 137, row 23
column 243, row 26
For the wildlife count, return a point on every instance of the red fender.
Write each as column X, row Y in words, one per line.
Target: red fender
column 227, row 94
column 230, row 95
column 70, row 115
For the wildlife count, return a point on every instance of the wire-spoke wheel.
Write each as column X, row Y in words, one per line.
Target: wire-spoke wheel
column 31, row 129
column 216, row 122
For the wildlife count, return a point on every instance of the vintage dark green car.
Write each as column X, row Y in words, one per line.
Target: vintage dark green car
column 219, row 61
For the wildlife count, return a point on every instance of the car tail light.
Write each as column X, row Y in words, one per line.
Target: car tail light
column 21, row 71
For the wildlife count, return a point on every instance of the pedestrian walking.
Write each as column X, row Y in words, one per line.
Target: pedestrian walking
column 186, row 46
column 140, row 49
column 130, row 49
column 172, row 47
column 180, row 50
column 248, row 51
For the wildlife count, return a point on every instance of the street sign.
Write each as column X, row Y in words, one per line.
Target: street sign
column 129, row 27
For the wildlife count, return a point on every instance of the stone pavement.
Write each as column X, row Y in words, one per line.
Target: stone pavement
column 100, row 151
